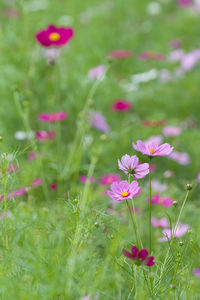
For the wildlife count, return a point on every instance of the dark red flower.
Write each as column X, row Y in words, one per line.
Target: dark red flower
column 120, row 53
column 140, row 257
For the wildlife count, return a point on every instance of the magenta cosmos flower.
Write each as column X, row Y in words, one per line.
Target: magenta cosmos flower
column 121, row 105
column 54, row 36
column 153, row 149
column 130, row 165
column 139, row 257
column 109, row 179
column 123, row 190
column 120, row 53
column 53, row 117
column 85, row 179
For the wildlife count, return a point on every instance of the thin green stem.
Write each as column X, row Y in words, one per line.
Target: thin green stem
column 150, row 206
column 133, row 222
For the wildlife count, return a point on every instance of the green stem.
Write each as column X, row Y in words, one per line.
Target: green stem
column 150, row 206
column 133, row 222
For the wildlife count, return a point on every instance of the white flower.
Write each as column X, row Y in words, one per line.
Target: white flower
column 153, row 8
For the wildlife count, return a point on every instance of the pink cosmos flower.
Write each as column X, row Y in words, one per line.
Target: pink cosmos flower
column 171, row 131
column 151, row 55
column 43, row 135
column 123, row 190
column 184, row 2
column 85, row 179
column 162, row 223
column 176, row 55
column 98, row 121
column 153, row 149
column 164, row 201
column 198, row 177
column 53, row 186
column 37, row 181
column 168, row 174
column 139, row 257
column 121, row 105
column 54, row 117
column 196, row 272
column 96, row 72
column 181, row 158
column 190, row 60
column 109, row 179
column 54, row 36
column 120, row 53
column 130, row 165
column 180, row 230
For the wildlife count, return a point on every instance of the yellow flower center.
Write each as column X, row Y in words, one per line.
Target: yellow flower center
column 124, row 194
column 152, row 151
column 54, row 37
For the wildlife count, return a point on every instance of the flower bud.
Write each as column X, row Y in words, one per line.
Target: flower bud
column 181, row 243
column 1, row 139
column 188, row 187
column 103, row 137
column 96, row 224
column 175, row 203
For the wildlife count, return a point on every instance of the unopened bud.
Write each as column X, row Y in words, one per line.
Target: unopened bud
column 175, row 203
column 96, row 224
column 1, row 139
column 172, row 286
column 181, row 243
column 188, row 187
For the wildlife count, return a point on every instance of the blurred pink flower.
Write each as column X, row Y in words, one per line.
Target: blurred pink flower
column 141, row 257
column 53, row 186
column 171, row 131
column 121, row 105
column 151, row 55
column 198, row 177
column 180, row 230
column 15, row 194
column 196, row 272
column 164, row 201
column 190, row 59
column 176, row 55
column 168, row 174
column 109, row 179
column 53, row 117
column 123, row 190
column 120, row 53
column 162, row 223
column 43, row 135
column 98, row 121
column 31, row 156
column 85, row 179
column 130, row 165
column 37, row 181
column 158, row 186
column 182, row 158
column 152, row 149
column 96, row 72
column 184, row 2
column 165, row 76
column 54, row 36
